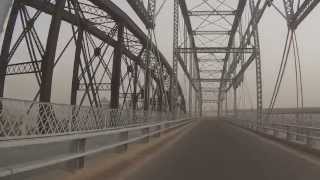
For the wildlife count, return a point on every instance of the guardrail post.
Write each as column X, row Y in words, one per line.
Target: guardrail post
column 78, row 146
column 123, row 136
column 145, row 131
column 309, row 138
column 158, row 128
column 299, row 133
column 275, row 130
column 289, row 134
column 168, row 124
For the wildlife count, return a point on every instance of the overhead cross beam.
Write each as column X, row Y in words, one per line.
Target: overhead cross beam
column 212, row 80
column 211, row 33
column 186, row 18
column 211, row 13
column 216, row 50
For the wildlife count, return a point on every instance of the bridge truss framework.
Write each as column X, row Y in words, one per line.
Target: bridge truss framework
column 214, row 44
column 112, row 57
column 222, row 38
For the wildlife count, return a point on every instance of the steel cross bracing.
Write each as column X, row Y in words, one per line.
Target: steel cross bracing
column 212, row 26
column 107, row 48
column 224, row 43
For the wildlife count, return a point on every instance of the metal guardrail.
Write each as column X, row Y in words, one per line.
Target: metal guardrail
column 302, row 134
column 21, row 124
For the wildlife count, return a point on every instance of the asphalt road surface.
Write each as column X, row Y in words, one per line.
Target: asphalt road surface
column 218, row 151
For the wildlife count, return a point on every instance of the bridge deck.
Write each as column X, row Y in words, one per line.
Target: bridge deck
column 215, row 150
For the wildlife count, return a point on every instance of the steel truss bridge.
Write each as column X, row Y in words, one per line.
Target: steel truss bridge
column 120, row 82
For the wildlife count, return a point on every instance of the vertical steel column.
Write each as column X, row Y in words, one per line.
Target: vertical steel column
column 235, row 110
column 254, row 14
column 190, row 83
column 115, row 85
column 160, row 100
column 196, row 103
column 135, row 83
column 116, row 69
column 76, row 65
column 77, row 146
column 7, row 44
column 226, row 104
column 219, row 105
column 135, row 95
column 200, row 105
column 50, row 52
column 146, row 102
column 75, row 80
column 175, row 60
column 47, row 65
column 147, row 75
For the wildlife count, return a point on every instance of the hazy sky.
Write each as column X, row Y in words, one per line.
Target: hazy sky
column 272, row 35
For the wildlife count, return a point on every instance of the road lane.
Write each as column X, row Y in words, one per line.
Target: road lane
column 215, row 150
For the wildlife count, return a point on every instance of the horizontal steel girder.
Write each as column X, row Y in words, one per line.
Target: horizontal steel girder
column 209, row 101
column 211, row 13
column 197, row 33
column 202, row 60
column 98, row 87
column 23, row 68
column 215, row 50
column 212, row 80
column 210, row 71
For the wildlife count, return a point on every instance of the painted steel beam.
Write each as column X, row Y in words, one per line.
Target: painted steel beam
column 211, row 71
column 211, row 60
column 209, row 101
column 116, row 13
column 50, row 52
column 212, row 13
column 97, row 86
column 116, row 69
column 235, row 25
column 212, row 80
column 142, row 12
column 23, row 68
column 210, row 91
column 226, row 50
column 243, row 69
column 186, row 18
column 76, row 66
column 249, row 32
column 185, row 70
column 198, row 33
column 304, row 10
column 7, row 44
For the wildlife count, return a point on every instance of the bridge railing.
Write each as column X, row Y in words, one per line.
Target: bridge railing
column 299, row 128
column 27, row 119
column 44, row 129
